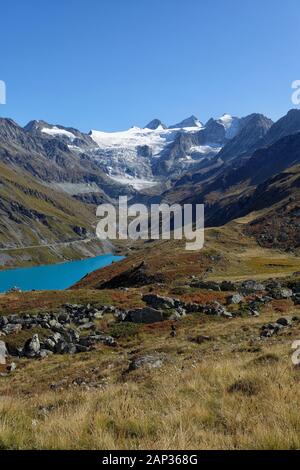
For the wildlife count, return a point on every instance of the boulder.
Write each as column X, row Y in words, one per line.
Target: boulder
column 145, row 315
column 192, row 307
column 208, row 285
column 217, row 309
column 251, row 286
column 158, row 301
column 235, row 299
column 45, row 353
column 62, row 347
column 49, row 344
column 253, row 312
column 282, row 293
column 227, row 286
column 32, row 347
column 56, row 337
column 105, row 339
column 87, row 326
column 11, row 328
column 284, row 321
column 64, row 317
column 3, row 321
column 97, row 315
column 270, row 329
column 150, row 361
column 12, row 366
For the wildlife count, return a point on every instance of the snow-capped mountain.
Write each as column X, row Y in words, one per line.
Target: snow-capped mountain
column 142, row 157
column 128, row 156
column 191, row 121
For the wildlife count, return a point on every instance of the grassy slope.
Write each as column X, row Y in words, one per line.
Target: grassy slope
column 51, row 220
column 228, row 253
column 234, row 391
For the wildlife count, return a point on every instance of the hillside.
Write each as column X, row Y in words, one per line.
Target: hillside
column 54, row 159
column 243, row 184
column 201, row 377
column 32, row 215
column 228, row 253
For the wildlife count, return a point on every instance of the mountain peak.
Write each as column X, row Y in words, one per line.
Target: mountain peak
column 288, row 124
column 191, row 121
column 154, row 124
column 35, row 125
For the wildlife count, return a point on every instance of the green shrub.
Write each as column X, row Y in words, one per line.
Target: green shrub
column 123, row 330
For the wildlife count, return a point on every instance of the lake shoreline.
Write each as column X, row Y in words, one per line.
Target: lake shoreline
column 55, row 276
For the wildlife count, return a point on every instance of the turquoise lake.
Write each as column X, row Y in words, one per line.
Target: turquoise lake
column 53, row 276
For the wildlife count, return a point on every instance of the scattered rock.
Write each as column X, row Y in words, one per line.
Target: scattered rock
column 284, row 322
column 192, row 307
column 137, row 276
column 209, row 285
column 251, row 286
column 235, row 299
column 3, row 321
column 227, row 286
column 105, row 339
column 145, row 315
column 11, row 328
column 149, row 361
column 158, row 301
column 217, row 309
column 270, row 329
column 32, row 347
column 12, row 367
column 87, row 326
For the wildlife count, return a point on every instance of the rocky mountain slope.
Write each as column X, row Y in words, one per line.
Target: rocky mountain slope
column 156, row 153
column 103, row 163
column 209, row 332
column 40, row 225
column 50, row 153
column 229, row 164
column 242, row 183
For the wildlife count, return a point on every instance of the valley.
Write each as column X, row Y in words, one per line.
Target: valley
column 167, row 348
column 200, row 377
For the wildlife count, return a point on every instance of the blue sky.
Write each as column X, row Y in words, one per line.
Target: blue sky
column 111, row 64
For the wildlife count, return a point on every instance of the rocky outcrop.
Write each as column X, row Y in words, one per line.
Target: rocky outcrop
column 150, row 361
column 271, row 329
column 137, row 276
column 158, row 301
column 73, row 330
column 145, row 315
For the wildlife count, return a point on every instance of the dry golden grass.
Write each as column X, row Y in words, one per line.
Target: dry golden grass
column 232, row 392
column 227, row 253
column 30, row 302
